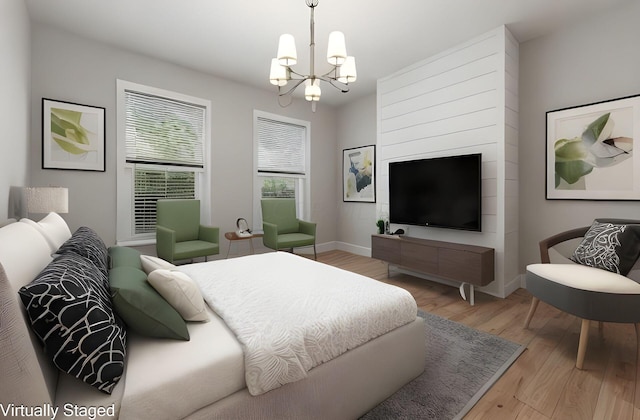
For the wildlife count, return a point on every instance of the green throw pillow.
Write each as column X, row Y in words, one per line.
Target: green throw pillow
column 142, row 308
column 123, row 256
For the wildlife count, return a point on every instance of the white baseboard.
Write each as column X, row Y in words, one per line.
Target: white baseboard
column 354, row 249
column 513, row 285
column 324, row 247
column 336, row 245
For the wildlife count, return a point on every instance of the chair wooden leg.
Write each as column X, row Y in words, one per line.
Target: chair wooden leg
column 637, row 393
column 582, row 345
column 637, row 325
column 315, row 254
column 532, row 310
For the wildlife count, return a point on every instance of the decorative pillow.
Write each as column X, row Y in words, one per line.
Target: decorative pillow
column 86, row 242
column 609, row 246
column 150, row 263
column 53, row 228
column 181, row 292
column 70, row 311
column 142, row 308
column 122, row 256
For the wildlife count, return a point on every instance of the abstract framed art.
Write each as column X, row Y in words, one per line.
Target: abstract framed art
column 358, row 174
column 73, row 136
column 590, row 151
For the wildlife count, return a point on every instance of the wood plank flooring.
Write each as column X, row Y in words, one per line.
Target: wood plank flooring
column 544, row 382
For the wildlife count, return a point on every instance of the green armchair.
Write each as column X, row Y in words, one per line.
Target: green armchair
column 179, row 234
column 282, row 229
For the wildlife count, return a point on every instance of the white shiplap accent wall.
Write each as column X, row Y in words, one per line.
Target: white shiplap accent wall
column 509, row 263
column 461, row 101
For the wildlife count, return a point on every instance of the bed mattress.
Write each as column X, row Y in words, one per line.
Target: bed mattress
column 291, row 314
column 207, row 368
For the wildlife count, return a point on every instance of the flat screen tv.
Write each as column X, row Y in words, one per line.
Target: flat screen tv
column 443, row 192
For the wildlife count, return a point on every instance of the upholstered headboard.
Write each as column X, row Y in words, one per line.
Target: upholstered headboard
column 4, row 222
column 30, row 376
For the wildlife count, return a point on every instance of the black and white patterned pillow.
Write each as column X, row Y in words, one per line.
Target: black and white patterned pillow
column 70, row 310
column 86, row 242
column 609, row 246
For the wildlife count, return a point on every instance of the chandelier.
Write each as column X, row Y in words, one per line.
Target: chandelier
column 342, row 72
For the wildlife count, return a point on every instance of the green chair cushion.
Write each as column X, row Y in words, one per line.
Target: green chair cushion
column 193, row 249
column 294, row 240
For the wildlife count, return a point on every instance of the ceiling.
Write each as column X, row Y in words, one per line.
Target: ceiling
column 236, row 39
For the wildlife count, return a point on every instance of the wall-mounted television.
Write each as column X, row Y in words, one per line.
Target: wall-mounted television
column 443, row 192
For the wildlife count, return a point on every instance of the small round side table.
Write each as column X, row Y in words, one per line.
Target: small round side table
column 232, row 236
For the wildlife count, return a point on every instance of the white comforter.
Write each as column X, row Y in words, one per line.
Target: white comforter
column 291, row 314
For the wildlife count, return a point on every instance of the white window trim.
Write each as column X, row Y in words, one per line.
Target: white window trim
column 304, row 207
column 124, row 171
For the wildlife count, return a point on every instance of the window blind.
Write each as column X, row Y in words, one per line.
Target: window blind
column 165, row 131
column 152, row 184
column 281, row 147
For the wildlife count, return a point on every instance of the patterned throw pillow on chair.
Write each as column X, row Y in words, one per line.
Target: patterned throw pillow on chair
column 609, row 246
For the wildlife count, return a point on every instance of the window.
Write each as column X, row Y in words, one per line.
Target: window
column 163, row 140
column 281, row 162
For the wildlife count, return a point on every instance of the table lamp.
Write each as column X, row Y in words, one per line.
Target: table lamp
column 44, row 200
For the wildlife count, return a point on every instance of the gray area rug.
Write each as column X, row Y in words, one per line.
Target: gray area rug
column 462, row 364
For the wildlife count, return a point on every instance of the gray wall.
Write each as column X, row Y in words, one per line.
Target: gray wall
column 594, row 60
column 15, row 86
column 69, row 68
column 357, row 221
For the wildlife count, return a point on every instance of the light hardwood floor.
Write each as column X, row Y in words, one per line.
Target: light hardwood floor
column 544, row 382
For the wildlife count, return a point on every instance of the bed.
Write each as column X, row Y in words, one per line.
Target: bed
column 209, row 376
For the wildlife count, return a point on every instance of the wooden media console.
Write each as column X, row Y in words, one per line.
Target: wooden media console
column 466, row 264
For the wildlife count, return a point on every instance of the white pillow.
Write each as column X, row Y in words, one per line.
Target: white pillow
column 53, row 228
column 150, row 263
column 181, row 292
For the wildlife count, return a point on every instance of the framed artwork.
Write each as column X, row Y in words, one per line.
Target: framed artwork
column 591, row 151
column 359, row 174
column 73, row 136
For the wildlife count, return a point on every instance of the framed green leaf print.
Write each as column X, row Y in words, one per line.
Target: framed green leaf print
column 73, row 136
column 591, row 151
